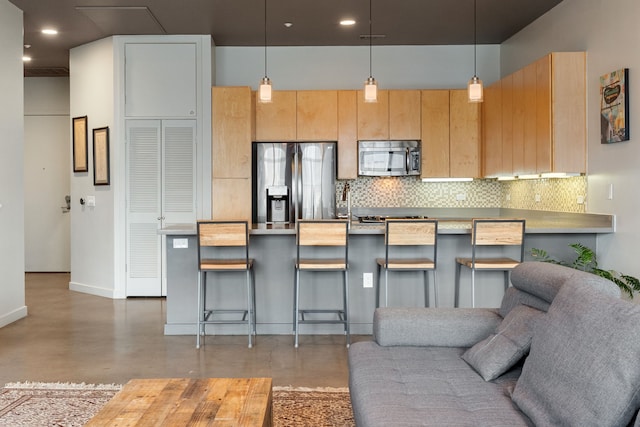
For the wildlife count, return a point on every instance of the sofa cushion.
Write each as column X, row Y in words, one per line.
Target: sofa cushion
column 495, row 354
column 544, row 279
column 426, row 386
column 583, row 366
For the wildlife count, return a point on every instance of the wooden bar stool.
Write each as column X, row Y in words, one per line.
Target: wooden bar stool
column 315, row 240
column 416, row 234
column 495, row 233
column 226, row 240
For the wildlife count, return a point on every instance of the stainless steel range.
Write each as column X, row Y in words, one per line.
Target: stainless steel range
column 380, row 219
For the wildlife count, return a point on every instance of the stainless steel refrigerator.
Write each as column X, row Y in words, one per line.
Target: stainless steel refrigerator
column 293, row 180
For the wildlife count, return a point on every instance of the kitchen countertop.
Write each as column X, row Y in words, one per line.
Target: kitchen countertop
column 454, row 221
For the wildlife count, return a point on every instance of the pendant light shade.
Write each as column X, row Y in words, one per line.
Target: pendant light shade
column 474, row 87
column 264, row 90
column 370, row 85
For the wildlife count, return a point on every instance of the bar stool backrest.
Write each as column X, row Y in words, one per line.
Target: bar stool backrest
column 411, row 232
column 487, row 232
column 223, row 234
column 329, row 234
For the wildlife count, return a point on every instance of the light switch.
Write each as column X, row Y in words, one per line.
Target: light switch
column 180, row 243
column 91, row 200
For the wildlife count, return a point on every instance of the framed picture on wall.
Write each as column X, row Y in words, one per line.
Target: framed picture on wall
column 80, row 154
column 101, row 156
column 614, row 106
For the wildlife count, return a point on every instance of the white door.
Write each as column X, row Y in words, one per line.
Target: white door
column 46, row 183
column 160, row 190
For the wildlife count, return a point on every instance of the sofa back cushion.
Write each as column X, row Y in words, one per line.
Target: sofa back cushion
column 537, row 283
column 583, row 367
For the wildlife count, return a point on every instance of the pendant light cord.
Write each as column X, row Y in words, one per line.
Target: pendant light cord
column 265, row 38
column 370, row 41
column 475, row 39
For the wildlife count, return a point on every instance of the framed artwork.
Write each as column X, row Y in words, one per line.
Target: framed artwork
column 101, row 156
column 80, row 155
column 614, row 106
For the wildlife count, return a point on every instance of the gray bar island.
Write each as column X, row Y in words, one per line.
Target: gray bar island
column 273, row 248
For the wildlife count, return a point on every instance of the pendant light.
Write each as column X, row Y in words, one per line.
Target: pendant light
column 264, row 91
column 474, row 87
column 370, row 85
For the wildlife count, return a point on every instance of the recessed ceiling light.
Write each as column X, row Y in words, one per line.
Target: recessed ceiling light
column 26, row 58
column 347, row 22
column 288, row 24
column 49, row 31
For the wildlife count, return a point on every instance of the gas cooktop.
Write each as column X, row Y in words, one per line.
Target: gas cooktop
column 379, row 219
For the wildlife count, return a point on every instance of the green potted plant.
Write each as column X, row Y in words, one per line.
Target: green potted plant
column 586, row 261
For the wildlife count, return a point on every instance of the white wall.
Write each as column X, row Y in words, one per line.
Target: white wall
column 46, row 173
column 91, row 84
column 12, row 302
column 608, row 32
column 323, row 67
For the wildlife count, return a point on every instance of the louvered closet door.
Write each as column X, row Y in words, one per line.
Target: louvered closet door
column 160, row 191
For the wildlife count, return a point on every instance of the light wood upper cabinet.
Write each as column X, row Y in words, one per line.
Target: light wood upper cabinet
column 317, row 115
column 492, row 130
column 517, row 122
column 347, row 135
column 373, row 117
column 231, row 132
column 464, row 136
column 435, row 134
column 404, row 114
column 563, row 76
column 450, row 135
column 543, row 123
column 276, row 120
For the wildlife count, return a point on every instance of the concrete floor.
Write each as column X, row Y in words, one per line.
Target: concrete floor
column 75, row 337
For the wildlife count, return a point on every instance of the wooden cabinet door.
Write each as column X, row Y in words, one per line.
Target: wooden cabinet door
column 517, row 125
column 231, row 132
column 464, row 136
column 435, row 134
column 373, row 117
column 507, row 125
column 492, row 130
column 276, row 120
column 404, row 114
column 568, row 97
column 530, row 119
column 317, row 115
column 543, row 115
column 347, row 135
column 231, row 199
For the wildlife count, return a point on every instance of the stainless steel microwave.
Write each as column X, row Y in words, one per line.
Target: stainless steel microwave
column 388, row 158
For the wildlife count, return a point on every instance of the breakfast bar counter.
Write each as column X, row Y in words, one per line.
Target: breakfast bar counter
column 273, row 248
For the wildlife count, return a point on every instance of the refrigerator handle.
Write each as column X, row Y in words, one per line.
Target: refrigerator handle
column 295, row 191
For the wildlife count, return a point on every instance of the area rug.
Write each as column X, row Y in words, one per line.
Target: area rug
column 71, row 405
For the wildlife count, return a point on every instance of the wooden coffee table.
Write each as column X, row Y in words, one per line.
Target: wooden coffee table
column 189, row 402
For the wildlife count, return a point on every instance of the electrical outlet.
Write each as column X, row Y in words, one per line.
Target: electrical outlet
column 508, row 197
column 461, row 196
column 367, row 280
column 91, row 200
column 538, row 198
column 580, row 200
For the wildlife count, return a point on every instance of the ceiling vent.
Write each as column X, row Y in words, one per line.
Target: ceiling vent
column 46, row 72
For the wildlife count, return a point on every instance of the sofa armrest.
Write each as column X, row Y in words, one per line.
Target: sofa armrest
column 436, row 327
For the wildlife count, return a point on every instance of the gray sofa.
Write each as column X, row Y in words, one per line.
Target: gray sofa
column 562, row 350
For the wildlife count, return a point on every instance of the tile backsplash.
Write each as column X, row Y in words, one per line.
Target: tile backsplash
column 560, row 195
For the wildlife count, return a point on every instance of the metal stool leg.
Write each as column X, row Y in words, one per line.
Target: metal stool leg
column 295, row 307
column 456, row 301
column 386, row 286
column 200, row 309
column 435, row 288
column 379, row 286
column 346, row 307
column 473, row 287
column 249, row 309
column 426, row 288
